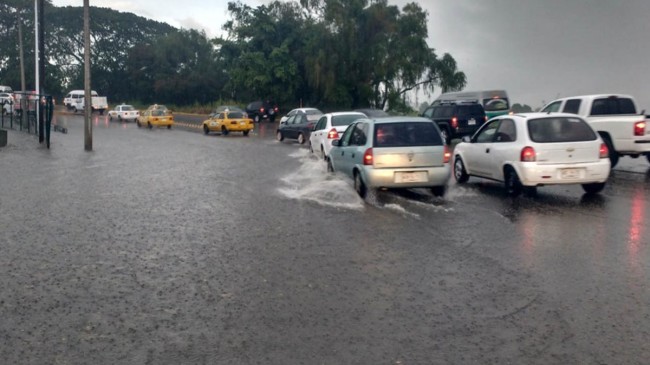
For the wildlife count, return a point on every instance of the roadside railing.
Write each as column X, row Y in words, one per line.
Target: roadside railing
column 20, row 114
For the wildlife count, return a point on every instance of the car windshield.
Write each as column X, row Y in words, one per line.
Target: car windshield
column 347, row 119
column 235, row 115
column 406, row 134
column 466, row 111
column 158, row 112
column 560, row 129
column 493, row 105
column 612, row 106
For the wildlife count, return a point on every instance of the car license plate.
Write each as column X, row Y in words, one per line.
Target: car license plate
column 471, row 122
column 242, row 123
column 410, row 176
column 570, row 174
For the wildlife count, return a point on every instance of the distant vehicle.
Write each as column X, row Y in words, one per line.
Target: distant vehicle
column 259, row 110
column 6, row 102
column 529, row 150
column 328, row 128
column 395, row 152
column 308, row 111
column 124, row 112
column 229, row 121
column 156, row 116
column 494, row 102
column 456, row 118
column 614, row 117
column 6, row 89
column 298, row 127
column 373, row 113
column 75, row 100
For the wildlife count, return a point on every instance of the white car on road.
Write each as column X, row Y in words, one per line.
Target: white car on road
column 529, row 150
column 124, row 112
column 6, row 103
column 306, row 111
column 328, row 128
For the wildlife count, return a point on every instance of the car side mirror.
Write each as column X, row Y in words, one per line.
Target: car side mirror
column 466, row 139
column 283, row 122
column 336, row 142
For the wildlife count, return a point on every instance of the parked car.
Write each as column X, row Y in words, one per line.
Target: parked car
column 124, row 112
column 156, row 116
column 229, row 121
column 328, row 128
column 457, row 118
column 259, row 110
column 528, row 150
column 373, row 113
column 298, row 127
column 395, row 152
column 6, row 103
column 309, row 111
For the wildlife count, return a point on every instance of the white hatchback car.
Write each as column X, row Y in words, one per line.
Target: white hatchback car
column 124, row 112
column 328, row 128
column 393, row 152
column 529, row 150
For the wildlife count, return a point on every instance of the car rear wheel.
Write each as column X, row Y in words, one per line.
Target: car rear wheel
column 149, row 125
column 359, row 185
column 137, row 122
column 169, row 126
column 593, row 188
column 119, row 117
column 206, row 130
column 279, row 136
column 311, row 149
column 301, row 138
column 647, row 156
column 460, row 174
column 224, row 130
column 438, row 190
column 512, row 182
column 613, row 155
column 330, row 167
column 322, row 151
column 246, row 132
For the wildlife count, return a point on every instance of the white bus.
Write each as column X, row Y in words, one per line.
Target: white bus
column 495, row 102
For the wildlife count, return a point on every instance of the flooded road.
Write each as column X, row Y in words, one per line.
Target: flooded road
column 172, row 247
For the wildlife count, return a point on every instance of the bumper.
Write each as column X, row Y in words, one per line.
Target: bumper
column 532, row 174
column 387, row 178
column 633, row 146
column 162, row 123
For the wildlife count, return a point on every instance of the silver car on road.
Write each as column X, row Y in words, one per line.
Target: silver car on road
column 394, row 152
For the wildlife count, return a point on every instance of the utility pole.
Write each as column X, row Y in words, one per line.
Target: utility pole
column 41, row 71
column 22, row 56
column 88, row 125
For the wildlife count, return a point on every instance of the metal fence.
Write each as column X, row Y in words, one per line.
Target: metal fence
column 20, row 114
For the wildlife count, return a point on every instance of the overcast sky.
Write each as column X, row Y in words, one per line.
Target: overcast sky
column 536, row 50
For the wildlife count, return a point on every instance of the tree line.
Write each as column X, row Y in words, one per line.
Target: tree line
column 334, row 53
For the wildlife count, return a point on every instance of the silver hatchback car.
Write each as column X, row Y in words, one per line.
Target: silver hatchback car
column 395, row 152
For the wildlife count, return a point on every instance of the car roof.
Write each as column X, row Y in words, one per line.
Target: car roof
column 397, row 119
column 334, row 114
column 534, row 115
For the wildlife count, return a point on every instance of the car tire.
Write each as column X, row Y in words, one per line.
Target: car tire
column 279, row 136
column 149, row 125
column 137, row 122
column 74, row 110
column 512, row 182
column 359, row 186
column 460, row 174
column 224, row 130
column 246, row 133
column 110, row 117
column 439, row 190
column 593, row 188
column 257, row 118
column 613, row 155
column 330, row 166
column 272, row 119
column 206, row 130
column 301, row 138
column 322, row 151
column 119, row 117
column 169, row 126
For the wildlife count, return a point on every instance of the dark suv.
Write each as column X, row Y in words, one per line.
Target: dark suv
column 259, row 110
column 456, row 120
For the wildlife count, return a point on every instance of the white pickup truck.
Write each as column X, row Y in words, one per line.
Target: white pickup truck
column 615, row 118
column 75, row 101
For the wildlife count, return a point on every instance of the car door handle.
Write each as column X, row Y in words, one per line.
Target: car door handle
column 352, row 155
column 487, row 150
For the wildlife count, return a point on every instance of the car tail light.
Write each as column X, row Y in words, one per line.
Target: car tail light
column 528, row 154
column 454, row 122
column 447, row 155
column 604, row 151
column 333, row 134
column 367, row 157
column 262, row 110
column 276, row 109
column 486, row 118
column 639, row 128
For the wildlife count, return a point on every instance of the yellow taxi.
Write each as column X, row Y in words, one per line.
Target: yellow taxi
column 228, row 121
column 156, row 116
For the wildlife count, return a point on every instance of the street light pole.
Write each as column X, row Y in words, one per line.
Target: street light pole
column 88, row 125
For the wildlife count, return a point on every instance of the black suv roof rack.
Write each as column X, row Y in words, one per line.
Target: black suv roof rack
column 454, row 102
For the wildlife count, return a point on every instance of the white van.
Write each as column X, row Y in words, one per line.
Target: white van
column 5, row 89
column 74, row 98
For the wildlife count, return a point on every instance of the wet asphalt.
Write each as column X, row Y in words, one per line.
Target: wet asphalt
column 172, row 247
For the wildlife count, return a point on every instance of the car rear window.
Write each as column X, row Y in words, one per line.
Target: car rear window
column 465, row 111
column 560, row 129
column 313, row 112
column 340, row 120
column 235, row 115
column 406, row 134
column 498, row 104
column 612, row 106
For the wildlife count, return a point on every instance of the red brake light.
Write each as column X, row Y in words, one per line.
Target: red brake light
column 604, row 151
column 333, row 134
column 367, row 157
column 447, row 155
column 276, row 109
column 454, row 122
column 528, row 154
column 262, row 110
column 639, row 128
